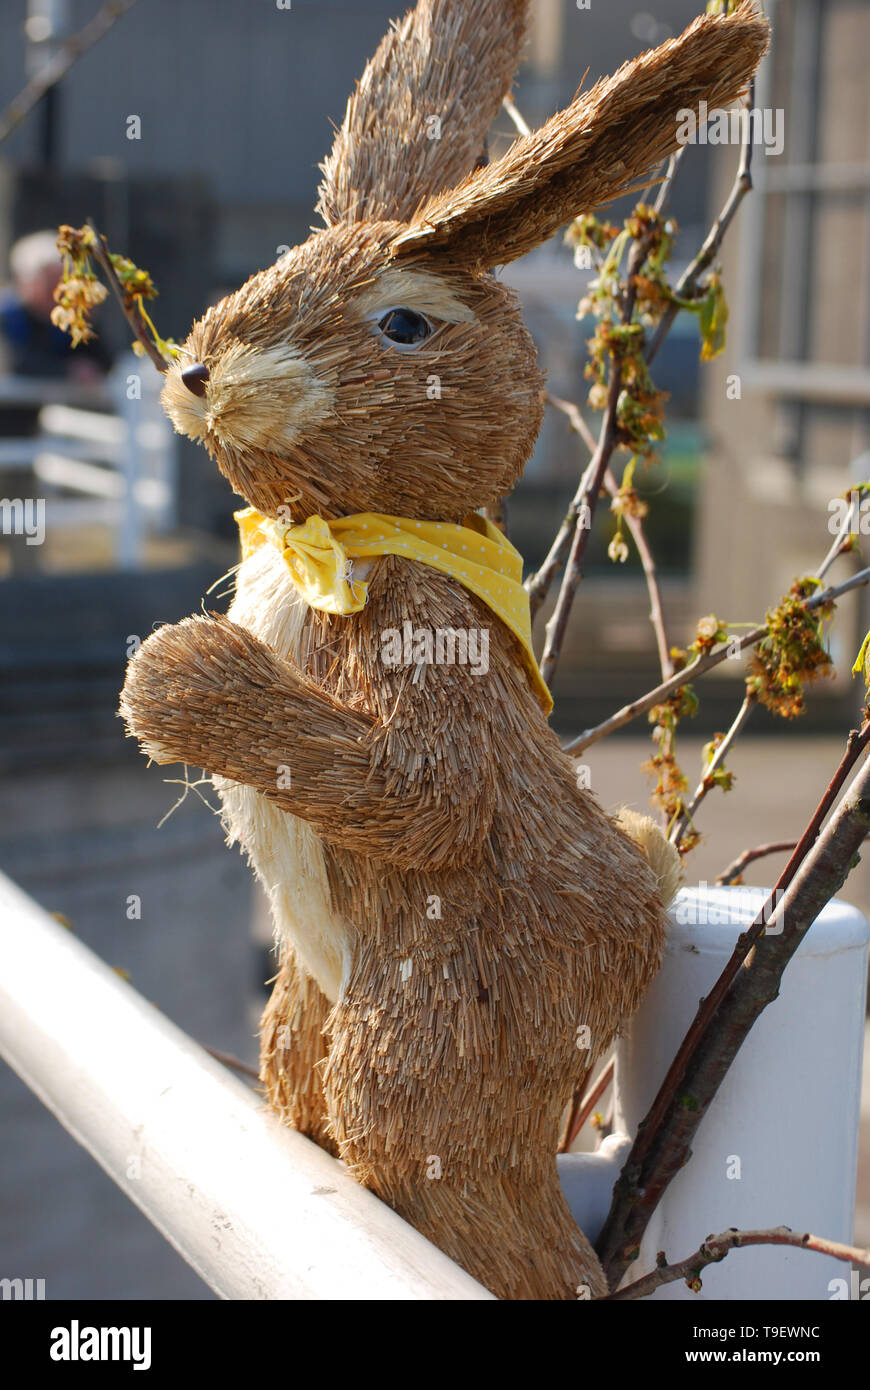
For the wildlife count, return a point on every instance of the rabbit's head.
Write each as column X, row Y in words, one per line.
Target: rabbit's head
column 381, row 366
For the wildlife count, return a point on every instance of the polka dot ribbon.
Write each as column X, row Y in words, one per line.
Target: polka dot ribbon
column 320, row 557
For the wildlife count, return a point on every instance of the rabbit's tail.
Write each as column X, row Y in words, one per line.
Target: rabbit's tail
column 662, row 857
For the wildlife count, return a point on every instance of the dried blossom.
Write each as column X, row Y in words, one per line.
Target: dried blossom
column 792, row 654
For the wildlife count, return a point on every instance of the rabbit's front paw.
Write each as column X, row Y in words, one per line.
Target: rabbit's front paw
column 183, row 678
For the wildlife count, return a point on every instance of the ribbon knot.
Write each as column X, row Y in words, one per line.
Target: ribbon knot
column 320, row 556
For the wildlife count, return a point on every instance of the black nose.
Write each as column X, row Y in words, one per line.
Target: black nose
column 195, row 377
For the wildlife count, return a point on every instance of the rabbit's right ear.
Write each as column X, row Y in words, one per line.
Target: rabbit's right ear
column 608, row 142
column 418, row 120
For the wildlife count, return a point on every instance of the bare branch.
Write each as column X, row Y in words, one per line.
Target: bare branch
column 700, row 666
column 715, row 1248
column 234, row 1063
column 664, row 192
column 688, row 280
column 100, row 252
column 538, row 585
column 57, row 67
column 516, row 116
column 686, row 816
column 558, row 623
column 749, row 856
column 578, row 424
column 656, row 611
column 751, row 980
column 842, row 541
column 583, row 1105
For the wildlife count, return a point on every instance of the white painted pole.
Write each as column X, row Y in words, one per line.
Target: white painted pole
column 779, row 1144
column 258, row 1211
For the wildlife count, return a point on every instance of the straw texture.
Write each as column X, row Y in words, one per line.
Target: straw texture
column 418, row 120
column 461, row 929
column 602, row 145
column 456, row 1038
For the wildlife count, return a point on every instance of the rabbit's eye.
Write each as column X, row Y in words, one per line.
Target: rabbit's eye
column 405, row 327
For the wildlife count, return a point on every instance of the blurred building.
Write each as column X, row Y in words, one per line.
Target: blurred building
column 192, row 134
column 788, row 403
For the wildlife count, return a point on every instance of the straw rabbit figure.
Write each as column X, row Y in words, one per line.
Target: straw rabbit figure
column 461, row 929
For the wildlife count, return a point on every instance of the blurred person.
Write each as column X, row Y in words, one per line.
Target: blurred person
column 32, row 345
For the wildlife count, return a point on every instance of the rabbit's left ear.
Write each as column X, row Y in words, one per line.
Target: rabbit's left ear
column 418, row 120
column 606, row 143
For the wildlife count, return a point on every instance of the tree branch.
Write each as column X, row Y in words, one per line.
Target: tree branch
column 608, row 440
column 688, row 280
column 582, row 529
column 816, row 871
column 841, row 542
column 686, row 816
column 234, row 1063
column 699, row 667
column 58, row 66
column 749, row 856
column 131, row 313
column 656, row 611
column 715, row 1248
column 583, row 1105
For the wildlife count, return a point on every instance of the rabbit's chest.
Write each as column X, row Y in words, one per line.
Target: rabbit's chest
column 286, row 853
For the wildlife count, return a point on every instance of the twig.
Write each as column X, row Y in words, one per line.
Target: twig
column 656, row 611
column 715, row 1248
column 842, row 541
column 100, row 252
column 583, row 1106
column 516, row 116
column 707, row 254
column 577, row 422
column 700, row 666
column 558, row 623
column 572, row 412
column 234, row 1063
column 686, row 816
column 855, row 745
column 750, row 982
column 608, row 440
column 537, row 585
column 497, row 513
column 749, row 856
column 664, row 192
column 59, row 65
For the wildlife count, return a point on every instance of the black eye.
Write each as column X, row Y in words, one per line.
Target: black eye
column 405, row 327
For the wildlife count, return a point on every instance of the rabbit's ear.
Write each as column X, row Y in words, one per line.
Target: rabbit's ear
column 606, row 143
column 418, row 120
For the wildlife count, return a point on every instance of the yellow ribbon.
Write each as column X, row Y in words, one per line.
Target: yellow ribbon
column 320, row 556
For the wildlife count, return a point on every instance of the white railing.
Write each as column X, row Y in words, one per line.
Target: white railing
column 120, row 468
column 258, row 1211
column 262, row 1213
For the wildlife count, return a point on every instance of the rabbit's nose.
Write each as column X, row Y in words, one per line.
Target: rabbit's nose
column 195, row 377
